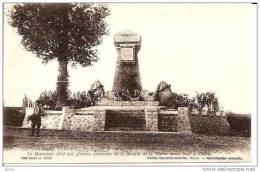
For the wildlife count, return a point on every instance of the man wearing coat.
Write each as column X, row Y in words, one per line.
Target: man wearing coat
column 35, row 118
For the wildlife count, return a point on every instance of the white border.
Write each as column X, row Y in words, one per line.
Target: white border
column 193, row 166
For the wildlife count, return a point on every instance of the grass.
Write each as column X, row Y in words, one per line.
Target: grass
column 240, row 124
column 123, row 141
column 214, row 125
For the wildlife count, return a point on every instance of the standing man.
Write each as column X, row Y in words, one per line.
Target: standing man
column 35, row 118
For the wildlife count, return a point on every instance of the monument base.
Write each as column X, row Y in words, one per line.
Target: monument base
column 124, row 116
column 107, row 102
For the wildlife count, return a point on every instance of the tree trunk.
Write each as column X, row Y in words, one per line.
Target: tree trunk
column 62, row 84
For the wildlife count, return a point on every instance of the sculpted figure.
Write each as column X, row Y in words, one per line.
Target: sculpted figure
column 96, row 92
column 164, row 95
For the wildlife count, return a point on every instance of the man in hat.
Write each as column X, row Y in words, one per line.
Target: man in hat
column 35, row 118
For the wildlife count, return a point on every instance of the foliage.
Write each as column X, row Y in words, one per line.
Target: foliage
column 240, row 124
column 13, row 116
column 201, row 100
column 174, row 100
column 182, row 100
column 207, row 99
column 126, row 95
column 80, row 100
column 48, row 99
column 151, row 93
column 68, row 32
column 214, row 125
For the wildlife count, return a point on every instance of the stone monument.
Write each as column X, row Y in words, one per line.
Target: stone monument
column 127, row 75
column 127, row 106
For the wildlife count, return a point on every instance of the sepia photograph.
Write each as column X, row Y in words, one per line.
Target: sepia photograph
column 129, row 83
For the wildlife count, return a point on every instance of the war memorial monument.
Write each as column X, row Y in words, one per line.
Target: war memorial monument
column 128, row 107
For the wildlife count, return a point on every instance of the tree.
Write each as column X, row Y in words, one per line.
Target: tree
column 25, row 101
column 30, row 103
column 208, row 99
column 182, row 100
column 68, row 32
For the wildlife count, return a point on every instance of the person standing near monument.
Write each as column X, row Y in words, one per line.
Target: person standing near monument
column 35, row 118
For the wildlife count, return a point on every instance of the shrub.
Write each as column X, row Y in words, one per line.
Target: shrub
column 209, row 125
column 182, row 100
column 48, row 99
column 167, row 98
column 240, row 124
column 13, row 116
column 208, row 99
column 80, row 100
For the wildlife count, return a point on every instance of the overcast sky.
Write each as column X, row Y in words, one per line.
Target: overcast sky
column 194, row 47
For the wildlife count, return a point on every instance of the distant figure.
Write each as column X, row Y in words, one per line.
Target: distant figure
column 35, row 118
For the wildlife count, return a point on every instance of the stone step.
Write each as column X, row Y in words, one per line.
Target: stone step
column 106, row 102
column 127, row 112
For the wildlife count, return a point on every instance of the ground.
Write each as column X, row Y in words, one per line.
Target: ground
column 121, row 141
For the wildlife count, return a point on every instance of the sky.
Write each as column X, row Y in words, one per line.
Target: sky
column 195, row 47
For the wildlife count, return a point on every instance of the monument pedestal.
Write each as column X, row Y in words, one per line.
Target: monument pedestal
column 151, row 120
column 183, row 121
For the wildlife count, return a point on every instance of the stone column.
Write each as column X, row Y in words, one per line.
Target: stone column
column 183, row 121
column 99, row 120
column 151, row 120
column 26, row 123
column 127, row 75
column 67, row 113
